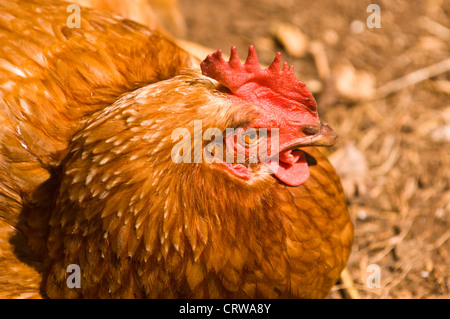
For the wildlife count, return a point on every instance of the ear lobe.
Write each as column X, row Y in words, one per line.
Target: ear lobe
column 237, row 170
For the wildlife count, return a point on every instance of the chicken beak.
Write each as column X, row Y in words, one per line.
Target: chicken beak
column 316, row 136
column 325, row 137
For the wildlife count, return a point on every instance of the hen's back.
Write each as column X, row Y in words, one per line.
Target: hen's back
column 52, row 78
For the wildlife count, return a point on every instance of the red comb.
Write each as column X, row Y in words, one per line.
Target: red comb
column 251, row 83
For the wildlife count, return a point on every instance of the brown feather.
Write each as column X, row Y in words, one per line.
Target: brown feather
column 86, row 123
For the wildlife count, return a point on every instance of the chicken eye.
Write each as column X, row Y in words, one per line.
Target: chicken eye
column 250, row 138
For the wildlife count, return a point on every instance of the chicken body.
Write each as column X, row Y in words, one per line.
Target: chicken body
column 52, row 78
column 87, row 140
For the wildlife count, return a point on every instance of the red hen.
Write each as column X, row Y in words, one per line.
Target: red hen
column 109, row 162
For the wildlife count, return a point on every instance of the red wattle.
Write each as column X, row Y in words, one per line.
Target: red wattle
column 292, row 168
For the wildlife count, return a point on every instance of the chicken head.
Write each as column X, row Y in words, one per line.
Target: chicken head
column 284, row 108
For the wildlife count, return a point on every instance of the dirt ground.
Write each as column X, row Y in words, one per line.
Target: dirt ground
column 386, row 92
